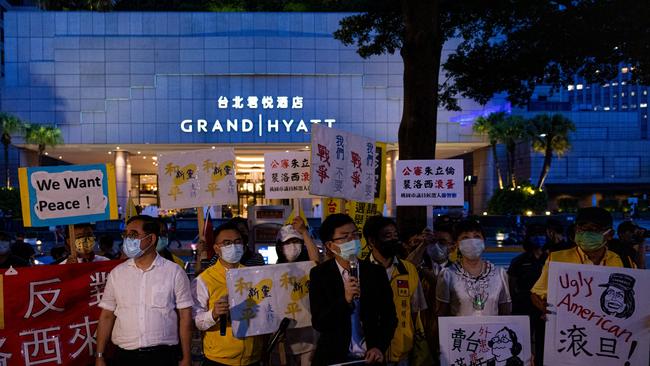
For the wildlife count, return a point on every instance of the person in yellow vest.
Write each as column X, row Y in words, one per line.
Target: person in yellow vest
column 593, row 231
column 162, row 246
column 382, row 237
column 211, row 305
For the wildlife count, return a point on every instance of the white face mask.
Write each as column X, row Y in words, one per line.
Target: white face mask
column 5, row 247
column 471, row 248
column 232, row 253
column 292, row 251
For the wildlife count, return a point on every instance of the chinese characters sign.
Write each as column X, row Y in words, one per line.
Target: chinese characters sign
column 601, row 315
column 51, row 314
column 484, row 340
column 343, row 165
column 197, row 178
column 287, row 174
column 72, row 194
column 429, row 182
column 260, row 297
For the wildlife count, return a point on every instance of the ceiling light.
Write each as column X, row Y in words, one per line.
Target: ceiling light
column 110, row 152
column 117, row 147
column 46, row 153
column 138, row 152
column 60, row 157
column 155, row 158
column 214, row 147
column 144, row 157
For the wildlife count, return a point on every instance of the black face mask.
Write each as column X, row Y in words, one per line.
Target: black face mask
column 389, row 248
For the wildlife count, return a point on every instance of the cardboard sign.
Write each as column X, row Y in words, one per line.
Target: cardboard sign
column 260, row 297
column 484, row 340
column 197, row 178
column 70, row 194
column 601, row 315
column 343, row 165
column 429, row 183
column 50, row 314
column 287, row 175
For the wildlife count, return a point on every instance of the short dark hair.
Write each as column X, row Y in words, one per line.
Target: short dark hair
column 238, row 220
column 466, row 226
column 331, row 223
column 84, row 225
column 374, row 224
column 150, row 225
column 443, row 226
column 594, row 215
column 626, row 227
column 224, row 227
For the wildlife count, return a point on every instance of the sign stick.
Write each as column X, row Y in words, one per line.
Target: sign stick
column 200, row 218
column 73, row 251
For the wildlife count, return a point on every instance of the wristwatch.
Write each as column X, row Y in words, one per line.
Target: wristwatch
column 100, row 354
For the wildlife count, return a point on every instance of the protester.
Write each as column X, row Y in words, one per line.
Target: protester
column 555, row 236
column 350, row 301
column 211, row 305
column 408, row 297
column 630, row 244
column 293, row 245
column 593, row 231
column 7, row 259
column 251, row 257
column 523, row 272
column 106, row 247
column 146, row 306
column 472, row 286
column 21, row 249
column 84, row 244
column 59, row 254
column 162, row 246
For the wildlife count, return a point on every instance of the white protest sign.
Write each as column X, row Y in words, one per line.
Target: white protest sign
column 343, row 165
column 67, row 194
column 484, row 340
column 601, row 315
column 260, row 297
column 197, row 178
column 286, row 174
column 429, row 182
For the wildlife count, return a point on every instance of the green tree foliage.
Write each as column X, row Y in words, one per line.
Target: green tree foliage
column 492, row 126
column 43, row 136
column 550, row 135
column 518, row 200
column 9, row 125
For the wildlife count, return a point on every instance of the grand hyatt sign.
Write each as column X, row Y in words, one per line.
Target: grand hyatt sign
column 257, row 124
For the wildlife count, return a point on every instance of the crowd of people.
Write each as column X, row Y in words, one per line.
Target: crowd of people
column 382, row 309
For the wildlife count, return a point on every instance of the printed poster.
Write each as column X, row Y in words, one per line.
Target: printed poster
column 67, row 194
column 601, row 316
column 197, row 178
column 343, row 165
column 429, row 182
column 287, row 175
column 484, row 340
column 260, row 297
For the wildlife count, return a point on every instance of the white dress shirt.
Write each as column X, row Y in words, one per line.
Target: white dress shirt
column 145, row 301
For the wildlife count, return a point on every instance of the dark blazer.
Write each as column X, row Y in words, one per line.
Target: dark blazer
column 330, row 313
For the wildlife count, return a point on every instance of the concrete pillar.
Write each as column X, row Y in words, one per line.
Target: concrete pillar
column 122, row 177
column 391, row 161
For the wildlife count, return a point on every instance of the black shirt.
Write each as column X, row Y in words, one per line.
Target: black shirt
column 14, row 261
column 624, row 250
column 524, row 271
column 22, row 250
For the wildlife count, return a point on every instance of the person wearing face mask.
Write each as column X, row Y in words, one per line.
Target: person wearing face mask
column 211, row 307
column 382, row 237
column 293, row 245
column 147, row 304
column 523, row 272
column 84, row 245
column 7, row 259
column 351, row 302
column 592, row 232
column 162, row 246
column 472, row 286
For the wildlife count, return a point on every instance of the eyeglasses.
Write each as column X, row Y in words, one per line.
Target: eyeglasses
column 349, row 236
column 227, row 242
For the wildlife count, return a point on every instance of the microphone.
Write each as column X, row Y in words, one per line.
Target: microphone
column 354, row 267
column 222, row 324
column 284, row 324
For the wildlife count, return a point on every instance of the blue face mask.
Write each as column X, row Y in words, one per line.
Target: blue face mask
column 349, row 249
column 163, row 241
column 132, row 248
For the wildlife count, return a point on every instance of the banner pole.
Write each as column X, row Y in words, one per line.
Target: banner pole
column 71, row 238
column 200, row 219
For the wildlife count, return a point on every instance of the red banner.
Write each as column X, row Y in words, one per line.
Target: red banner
column 48, row 314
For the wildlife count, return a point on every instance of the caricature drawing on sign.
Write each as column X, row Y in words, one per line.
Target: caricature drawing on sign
column 618, row 297
column 505, row 348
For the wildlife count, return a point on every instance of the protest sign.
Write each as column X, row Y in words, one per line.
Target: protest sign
column 50, row 314
column 601, row 315
column 197, row 178
column 484, row 340
column 286, row 174
column 343, row 165
column 429, row 183
column 360, row 212
column 69, row 194
column 260, row 297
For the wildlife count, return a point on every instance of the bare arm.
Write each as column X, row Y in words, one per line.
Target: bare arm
column 312, row 251
column 104, row 330
column 185, row 334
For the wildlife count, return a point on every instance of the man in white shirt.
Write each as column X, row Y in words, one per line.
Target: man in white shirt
column 147, row 304
column 83, row 240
